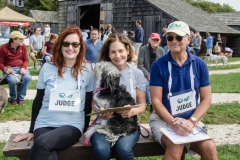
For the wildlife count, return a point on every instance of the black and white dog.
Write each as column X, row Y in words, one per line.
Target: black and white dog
column 110, row 94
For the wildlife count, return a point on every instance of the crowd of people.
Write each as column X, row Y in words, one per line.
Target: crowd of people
column 166, row 69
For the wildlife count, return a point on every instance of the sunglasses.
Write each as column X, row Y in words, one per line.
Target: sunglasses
column 74, row 44
column 178, row 38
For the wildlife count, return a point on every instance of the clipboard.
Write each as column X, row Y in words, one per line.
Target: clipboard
column 177, row 139
column 115, row 109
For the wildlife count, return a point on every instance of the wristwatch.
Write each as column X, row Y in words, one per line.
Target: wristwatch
column 193, row 120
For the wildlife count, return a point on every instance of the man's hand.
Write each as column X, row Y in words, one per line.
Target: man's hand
column 8, row 70
column 22, row 70
column 182, row 126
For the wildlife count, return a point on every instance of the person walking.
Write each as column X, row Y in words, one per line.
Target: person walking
column 197, row 43
column 209, row 43
column 138, row 36
column 164, row 40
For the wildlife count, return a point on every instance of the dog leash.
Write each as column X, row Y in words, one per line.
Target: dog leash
column 148, row 133
column 86, row 141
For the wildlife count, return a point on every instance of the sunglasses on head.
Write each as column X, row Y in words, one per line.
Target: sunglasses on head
column 178, row 38
column 74, row 44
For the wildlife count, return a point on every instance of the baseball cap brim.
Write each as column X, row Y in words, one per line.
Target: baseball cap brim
column 180, row 33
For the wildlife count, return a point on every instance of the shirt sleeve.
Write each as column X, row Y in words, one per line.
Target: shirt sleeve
column 141, row 80
column 41, row 82
column 156, row 78
column 91, row 79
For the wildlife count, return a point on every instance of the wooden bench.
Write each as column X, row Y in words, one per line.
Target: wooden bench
column 145, row 147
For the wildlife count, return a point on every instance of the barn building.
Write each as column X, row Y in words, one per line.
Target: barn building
column 122, row 14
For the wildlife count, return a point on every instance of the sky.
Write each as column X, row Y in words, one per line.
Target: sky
column 233, row 3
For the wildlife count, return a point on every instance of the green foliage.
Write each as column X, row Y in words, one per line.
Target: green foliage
column 225, row 83
column 51, row 5
column 3, row 3
column 211, row 7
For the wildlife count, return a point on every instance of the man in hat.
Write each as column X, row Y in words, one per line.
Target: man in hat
column 178, row 79
column 13, row 63
column 147, row 55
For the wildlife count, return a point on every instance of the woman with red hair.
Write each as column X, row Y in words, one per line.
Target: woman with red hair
column 63, row 97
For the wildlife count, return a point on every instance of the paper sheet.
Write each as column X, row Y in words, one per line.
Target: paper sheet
column 197, row 135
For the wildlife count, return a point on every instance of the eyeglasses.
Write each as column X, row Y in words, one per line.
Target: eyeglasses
column 74, row 44
column 178, row 38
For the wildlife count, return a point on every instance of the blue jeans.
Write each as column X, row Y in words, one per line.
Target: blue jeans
column 196, row 51
column 148, row 96
column 12, row 83
column 165, row 48
column 122, row 148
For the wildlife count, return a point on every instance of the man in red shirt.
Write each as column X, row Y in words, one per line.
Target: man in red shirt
column 13, row 63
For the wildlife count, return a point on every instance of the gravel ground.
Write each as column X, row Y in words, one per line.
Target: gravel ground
column 223, row 134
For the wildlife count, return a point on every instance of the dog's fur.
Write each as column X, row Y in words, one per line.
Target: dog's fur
column 3, row 99
column 110, row 94
column 216, row 58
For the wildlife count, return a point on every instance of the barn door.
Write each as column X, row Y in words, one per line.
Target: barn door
column 106, row 14
column 71, row 15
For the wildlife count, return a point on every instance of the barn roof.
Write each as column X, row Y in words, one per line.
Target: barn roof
column 228, row 18
column 196, row 18
column 44, row 16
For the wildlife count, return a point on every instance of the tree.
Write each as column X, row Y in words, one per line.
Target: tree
column 3, row 3
column 51, row 5
column 211, row 7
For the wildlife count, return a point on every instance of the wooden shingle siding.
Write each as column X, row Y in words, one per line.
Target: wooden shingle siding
column 153, row 14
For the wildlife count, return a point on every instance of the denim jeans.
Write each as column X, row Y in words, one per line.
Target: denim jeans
column 196, row 51
column 148, row 96
column 122, row 148
column 165, row 48
column 12, row 83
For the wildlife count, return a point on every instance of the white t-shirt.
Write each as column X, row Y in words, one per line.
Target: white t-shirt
column 47, row 31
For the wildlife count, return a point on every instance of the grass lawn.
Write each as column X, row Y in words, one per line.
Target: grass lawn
column 230, row 112
column 225, row 83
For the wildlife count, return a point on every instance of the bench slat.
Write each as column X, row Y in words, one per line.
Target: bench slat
column 144, row 147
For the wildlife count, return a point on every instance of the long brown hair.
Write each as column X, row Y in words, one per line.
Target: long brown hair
column 58, row 58
column 104, row 53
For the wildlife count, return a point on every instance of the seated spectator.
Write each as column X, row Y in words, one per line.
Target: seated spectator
column 147, row 55
column 13, row 63
column 36, row 42
column 47, row 48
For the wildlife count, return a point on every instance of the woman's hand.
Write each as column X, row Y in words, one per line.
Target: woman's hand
column 127, row 113
column 23, row 136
